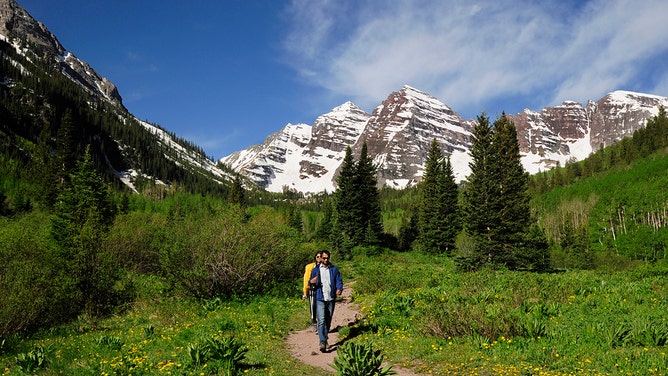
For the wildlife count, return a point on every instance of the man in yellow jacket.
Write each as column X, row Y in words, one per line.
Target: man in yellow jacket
column 308, row 292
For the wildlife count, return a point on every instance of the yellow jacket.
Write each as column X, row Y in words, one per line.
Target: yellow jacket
column 307, row 275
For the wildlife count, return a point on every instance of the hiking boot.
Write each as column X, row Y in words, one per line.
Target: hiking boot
column 323, row 347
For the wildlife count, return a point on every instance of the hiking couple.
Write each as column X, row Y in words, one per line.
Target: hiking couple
column 322, row 284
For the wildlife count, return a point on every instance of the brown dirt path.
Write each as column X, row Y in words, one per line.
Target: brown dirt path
column 304, row 344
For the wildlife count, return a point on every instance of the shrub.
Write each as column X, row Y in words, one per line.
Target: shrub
column 230, row 255
column 33, row 288
column 354, row 359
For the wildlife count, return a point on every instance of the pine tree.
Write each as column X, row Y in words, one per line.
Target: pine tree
column 357, row 203
column 450, row 212
column 496, row 202
column 369, row 199
column 438, row 222
column 67, row 146
column 324, row 230
column 514, row 214
column 83, row 213
column 346, row 203
column 481, row 197
column 236, row 194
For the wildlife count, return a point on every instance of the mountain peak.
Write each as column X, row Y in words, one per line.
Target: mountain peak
column 14, row 20
column 17, row 22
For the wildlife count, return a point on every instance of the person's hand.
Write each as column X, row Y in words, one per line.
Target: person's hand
column 314, row 280
column 303, row 297
column 338, row 292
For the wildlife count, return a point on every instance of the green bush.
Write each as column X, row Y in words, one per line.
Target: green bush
column 218, row 354
column 231, row 255
column 354, row 359
column 34, row 290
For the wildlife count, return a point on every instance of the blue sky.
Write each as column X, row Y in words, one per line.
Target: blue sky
column 225, row 74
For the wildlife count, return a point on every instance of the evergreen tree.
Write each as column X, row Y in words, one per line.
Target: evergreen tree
column 438, row 222
column 236, row 194
column 358, row 218
column 497, row 213
column 514, row 214
column 450, row 212
column 324, row 230
column 369, row 199
column 67, row 146
column 83, row 213
column 347, row 207
column 481, row 198
column 408, row 233
column 46, row 169
column 295, row 218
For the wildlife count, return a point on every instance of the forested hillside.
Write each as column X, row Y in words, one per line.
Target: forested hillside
column 47, row 121
column 611, row 208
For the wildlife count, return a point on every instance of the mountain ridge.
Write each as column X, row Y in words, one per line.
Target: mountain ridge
column 399, row 130
column 306, row 158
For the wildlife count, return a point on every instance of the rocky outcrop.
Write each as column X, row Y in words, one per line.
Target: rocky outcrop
column 400, row 131
column 17, row 24
column 618, row 114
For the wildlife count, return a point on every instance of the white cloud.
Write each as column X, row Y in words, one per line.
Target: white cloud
column 472, row 53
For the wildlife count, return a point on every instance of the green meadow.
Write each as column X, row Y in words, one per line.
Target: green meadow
column 417, row 310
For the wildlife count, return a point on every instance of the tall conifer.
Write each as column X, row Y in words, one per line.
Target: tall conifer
column 514, row 218
column 347, row 209
column 481, row 197
column 369, row 200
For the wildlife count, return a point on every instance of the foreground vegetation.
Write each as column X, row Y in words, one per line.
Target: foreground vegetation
column 501, row 322
column 417, row 310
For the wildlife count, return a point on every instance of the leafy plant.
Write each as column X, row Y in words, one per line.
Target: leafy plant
column 111, row 342
column 355, row 359
column 616, row 336
column 227, row 348
column 33, row 360
column 535, row 328
column 197, row 353
column 225, row 353
column 149, row 331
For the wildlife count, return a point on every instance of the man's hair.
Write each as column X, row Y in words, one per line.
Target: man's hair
column 325, row 251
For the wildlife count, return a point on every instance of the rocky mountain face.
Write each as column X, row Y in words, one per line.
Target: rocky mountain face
column 32, row 41
column 399, row 131
column 16, row 22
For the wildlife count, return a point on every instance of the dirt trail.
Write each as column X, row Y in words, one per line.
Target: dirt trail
column 304, row 344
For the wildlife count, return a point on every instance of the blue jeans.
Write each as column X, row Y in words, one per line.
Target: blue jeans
column 325, row 311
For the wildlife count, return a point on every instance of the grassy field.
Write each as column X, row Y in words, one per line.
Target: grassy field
column 417, row 310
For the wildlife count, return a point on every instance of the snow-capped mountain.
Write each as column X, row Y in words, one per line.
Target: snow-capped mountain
column 571, row 131
column 302, row 155
column 400, row 129
column 306, row 158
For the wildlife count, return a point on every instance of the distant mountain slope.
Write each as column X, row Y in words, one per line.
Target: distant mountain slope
column 399, row 131
column 133, row 149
